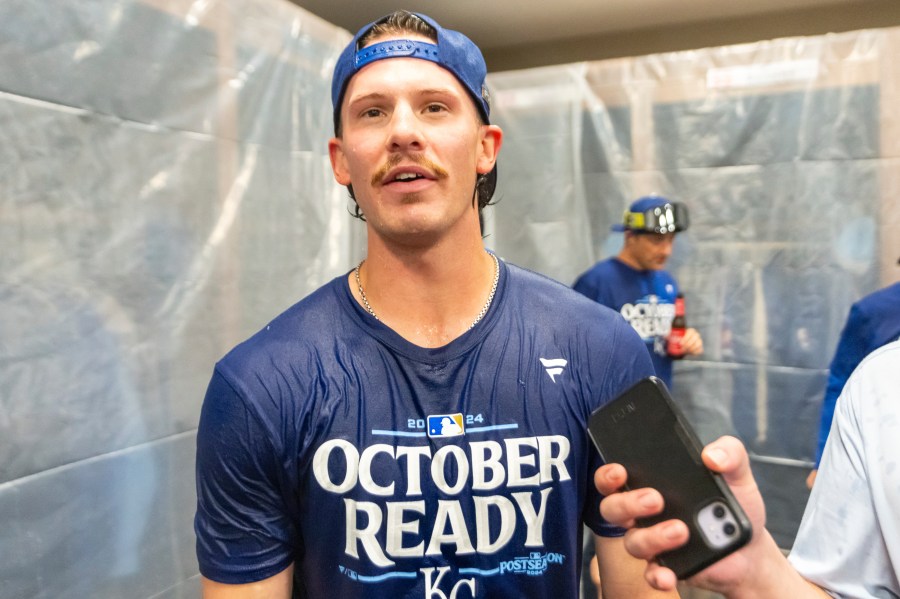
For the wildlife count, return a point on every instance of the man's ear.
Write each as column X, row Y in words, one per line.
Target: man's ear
column 491, row 140
column 338, row 161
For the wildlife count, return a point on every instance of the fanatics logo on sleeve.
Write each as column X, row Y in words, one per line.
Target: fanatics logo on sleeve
column 446, row 425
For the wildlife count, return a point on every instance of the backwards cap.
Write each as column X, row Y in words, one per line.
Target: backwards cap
column 453, row 51
column 654, row 214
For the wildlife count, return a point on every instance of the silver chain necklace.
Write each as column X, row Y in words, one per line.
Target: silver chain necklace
column 481, row 314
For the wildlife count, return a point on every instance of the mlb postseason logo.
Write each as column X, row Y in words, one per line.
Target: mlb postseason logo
column 533, row 565
column 446, row 425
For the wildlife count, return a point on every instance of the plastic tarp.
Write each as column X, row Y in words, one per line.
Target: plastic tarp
column 786, row 153
column 165, row 191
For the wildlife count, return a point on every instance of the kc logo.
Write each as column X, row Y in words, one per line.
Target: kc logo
column 433, row 590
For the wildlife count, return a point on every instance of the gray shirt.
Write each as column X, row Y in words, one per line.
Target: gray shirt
column 849, row 539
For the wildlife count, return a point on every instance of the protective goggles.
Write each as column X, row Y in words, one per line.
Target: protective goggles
column 671, row 217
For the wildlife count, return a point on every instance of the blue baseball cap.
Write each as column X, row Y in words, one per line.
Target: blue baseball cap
column 654, row 214
column 453, row 51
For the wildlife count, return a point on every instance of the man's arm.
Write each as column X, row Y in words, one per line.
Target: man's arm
column 852, row 347
column 276, row 587
column 621, row 575
column 737, row 576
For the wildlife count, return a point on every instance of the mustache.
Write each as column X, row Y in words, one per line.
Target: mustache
column 395, row 159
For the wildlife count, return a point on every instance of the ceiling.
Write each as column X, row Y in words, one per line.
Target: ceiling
column 499, row 23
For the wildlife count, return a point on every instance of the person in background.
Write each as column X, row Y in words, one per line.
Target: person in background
column 848, row 544
column 417, row 426
column 635, row 284
column 873, row 321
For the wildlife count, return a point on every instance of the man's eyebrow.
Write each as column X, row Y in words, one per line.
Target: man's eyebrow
column 377, row 95
column 366, row 97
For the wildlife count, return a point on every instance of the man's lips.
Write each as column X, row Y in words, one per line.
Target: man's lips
column 401, row 170
column 406, row 174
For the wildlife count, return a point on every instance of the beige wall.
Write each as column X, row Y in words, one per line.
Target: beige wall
column 864, row 14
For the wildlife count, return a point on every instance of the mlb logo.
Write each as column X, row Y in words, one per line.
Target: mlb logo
column 446, row 425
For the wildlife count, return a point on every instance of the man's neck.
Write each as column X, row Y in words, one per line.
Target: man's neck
column 628, row 260
column 429, row 297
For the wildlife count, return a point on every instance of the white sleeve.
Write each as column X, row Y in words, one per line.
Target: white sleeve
column 849, row 538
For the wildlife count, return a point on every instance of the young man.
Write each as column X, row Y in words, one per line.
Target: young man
column 416, row 428
column 635, row 284
column 849, row 539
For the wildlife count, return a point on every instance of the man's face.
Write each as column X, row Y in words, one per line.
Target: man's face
column 650, row 251
column 412, row 146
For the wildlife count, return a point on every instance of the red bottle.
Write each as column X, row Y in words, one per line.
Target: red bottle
column 679, row 326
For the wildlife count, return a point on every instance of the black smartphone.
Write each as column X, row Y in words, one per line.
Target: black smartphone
column 644, row 430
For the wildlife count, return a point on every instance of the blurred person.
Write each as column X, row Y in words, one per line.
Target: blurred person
column 635, row 284
column 872, row 322
column 848, row 544
column 417, row 426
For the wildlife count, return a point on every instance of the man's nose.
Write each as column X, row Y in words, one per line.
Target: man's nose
column 405, row 130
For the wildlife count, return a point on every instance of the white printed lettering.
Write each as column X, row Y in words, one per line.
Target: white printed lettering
column 413, row 467
column 433, row 590
column 483, row 523
column 365, row 470
column 323, row 473
column 397, row 526
column 438, row 474
column 481, row 465
column 450, row 512
column 515, row 460
column 366, row 535
column 534, row 521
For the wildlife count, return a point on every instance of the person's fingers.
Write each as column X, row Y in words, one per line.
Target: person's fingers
column 692, row 342
column 811, row 479
column 621, row 509
column 647, row 543
column 610, row 478
column 728, row 456
column 660, row 577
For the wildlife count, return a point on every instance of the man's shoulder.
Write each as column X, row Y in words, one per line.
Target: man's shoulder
column 602, row 269
column 881, row 365
column 884, row 301
column 299, row 329
column 534, row 291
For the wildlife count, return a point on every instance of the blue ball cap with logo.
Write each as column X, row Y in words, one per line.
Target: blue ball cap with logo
column 654, row 214
column 453, row 51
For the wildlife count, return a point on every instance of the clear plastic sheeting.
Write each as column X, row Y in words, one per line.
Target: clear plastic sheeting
column 786, row 152
column 165, row 190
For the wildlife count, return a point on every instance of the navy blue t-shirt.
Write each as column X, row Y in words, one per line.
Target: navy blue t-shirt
column 384, row 469
column 645, row 298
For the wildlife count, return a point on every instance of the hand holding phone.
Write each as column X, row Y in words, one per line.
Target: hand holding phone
column 644, row 431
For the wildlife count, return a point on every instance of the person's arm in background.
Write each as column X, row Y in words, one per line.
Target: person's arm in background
column 852, row 347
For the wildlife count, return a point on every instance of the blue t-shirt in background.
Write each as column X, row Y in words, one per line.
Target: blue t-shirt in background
column 873, row 321
column 383, row 469
column 645, row 298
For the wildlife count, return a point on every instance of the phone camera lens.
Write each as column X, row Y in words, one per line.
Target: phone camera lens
column 729, row 529
column 719, row 512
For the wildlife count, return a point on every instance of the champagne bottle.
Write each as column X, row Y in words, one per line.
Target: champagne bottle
column 679, row 326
